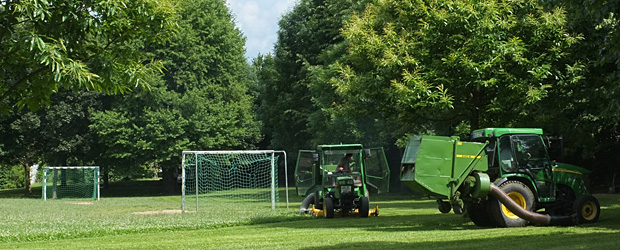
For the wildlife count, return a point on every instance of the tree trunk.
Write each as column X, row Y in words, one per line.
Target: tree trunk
column 27, row 175
column 474, row 120
column 106, row 176
column 169, row 177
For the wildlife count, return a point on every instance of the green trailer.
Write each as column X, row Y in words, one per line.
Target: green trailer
column 503, row 177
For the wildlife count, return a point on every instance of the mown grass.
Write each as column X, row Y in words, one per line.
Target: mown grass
column 404, row 223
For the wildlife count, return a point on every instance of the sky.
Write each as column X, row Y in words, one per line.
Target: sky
column 258, row 20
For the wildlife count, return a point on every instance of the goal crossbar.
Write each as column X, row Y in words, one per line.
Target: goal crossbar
column 212, row 152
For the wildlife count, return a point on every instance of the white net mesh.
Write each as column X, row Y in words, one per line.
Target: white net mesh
column 71, row 183
column 244, row 177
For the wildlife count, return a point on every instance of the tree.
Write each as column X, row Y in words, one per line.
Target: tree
column 291, row 118
column 57, row 135
column 78, row 45
column 201, row 102
column 485, row 63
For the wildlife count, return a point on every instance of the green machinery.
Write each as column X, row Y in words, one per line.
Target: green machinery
column 331, row 191
column 500, row 179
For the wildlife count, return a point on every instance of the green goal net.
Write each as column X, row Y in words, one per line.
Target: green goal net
column 222, row 177
column 71, row 182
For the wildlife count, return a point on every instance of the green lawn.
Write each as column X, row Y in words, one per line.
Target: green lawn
column 153, row 222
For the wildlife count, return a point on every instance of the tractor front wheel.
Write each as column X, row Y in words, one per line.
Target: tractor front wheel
column 328, row 204
column 522, row 195
column 364, row 207
column 587, row 208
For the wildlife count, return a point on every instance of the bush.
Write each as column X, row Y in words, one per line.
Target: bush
column 12, row 177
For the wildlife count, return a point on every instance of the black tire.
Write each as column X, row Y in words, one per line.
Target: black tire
column 444, row 206
column 306, row 205
column 521, row 194
column 329, row 207
column 364, row 207
column 587, row 208
column 480, row 214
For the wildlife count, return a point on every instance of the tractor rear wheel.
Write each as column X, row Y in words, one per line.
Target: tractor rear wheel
column 587, row 208
column 328, row 204
column 522, row 195
column 364, row 207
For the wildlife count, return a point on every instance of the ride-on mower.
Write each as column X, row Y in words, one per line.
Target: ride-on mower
column 336, row 179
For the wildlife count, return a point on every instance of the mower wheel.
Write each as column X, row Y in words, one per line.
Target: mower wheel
column 328, row 203
column 587, row 208
column 364, row 206
column 522, row 195
column 306, row 205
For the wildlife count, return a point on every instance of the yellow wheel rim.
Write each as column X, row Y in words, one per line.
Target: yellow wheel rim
column 589, row 210
column 519, row 199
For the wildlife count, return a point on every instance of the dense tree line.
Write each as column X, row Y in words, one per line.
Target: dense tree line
column 342, row 71
column 399, row 67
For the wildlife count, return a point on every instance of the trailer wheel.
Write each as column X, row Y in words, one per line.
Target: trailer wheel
column 443, row 206
column 364, row 207
column 588, row 209
column 480, row 214
column 328, row 204
column 305, row 205
column 522, row 195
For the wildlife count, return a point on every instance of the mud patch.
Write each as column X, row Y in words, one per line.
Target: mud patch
column 81, row 202
column 159, row 212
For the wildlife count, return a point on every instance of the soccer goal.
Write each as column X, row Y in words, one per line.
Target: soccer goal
column 71, row 182
column 243, row 177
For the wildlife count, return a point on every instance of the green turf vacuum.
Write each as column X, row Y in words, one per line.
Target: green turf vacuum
column 336, row 180
column 503, row 178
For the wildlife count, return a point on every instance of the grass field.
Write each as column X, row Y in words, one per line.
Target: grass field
column 154, row 222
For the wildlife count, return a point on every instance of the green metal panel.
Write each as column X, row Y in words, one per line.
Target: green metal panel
column 572, row 176
column 438, row 162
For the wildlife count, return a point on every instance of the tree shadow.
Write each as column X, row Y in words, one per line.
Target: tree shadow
column 402, row 213
column 546, row 241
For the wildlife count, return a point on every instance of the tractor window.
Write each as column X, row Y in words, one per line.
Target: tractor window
column 530, row 151
column 505, row 154
column 331, row 159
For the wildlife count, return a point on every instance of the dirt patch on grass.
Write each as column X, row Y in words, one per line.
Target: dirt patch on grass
column 175, row 211
column 81, row 202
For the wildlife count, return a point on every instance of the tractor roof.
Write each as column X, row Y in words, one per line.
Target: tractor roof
column 339, row 147
column 497, row 132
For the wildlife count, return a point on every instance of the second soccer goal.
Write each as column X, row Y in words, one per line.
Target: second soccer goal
column 241, row 176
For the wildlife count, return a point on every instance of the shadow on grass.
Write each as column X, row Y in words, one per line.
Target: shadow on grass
column 547, row 241
column 139, row 188
column 125, row 188
column 406, row 213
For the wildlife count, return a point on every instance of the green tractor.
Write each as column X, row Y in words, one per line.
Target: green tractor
column 501, row 179
column 336, row 179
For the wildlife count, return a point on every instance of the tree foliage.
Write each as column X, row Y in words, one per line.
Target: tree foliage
column 78, row 45
column 201, row 102
column 484, row 62
column 290, row 114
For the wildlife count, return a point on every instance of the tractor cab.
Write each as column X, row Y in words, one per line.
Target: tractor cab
column 520, row 153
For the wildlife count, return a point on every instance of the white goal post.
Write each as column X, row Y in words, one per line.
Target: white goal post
column 232, row 176
column 73, row 182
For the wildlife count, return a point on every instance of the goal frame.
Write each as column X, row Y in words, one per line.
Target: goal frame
column 96, row 177
column 273, row 173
